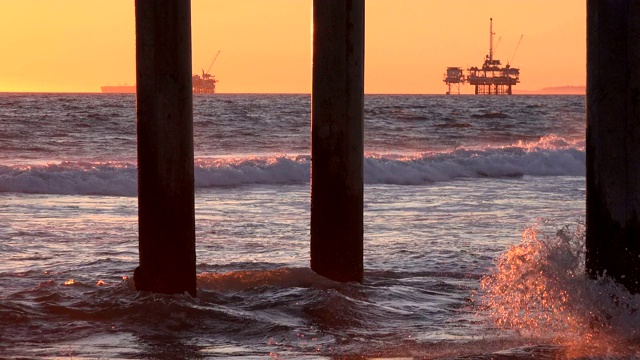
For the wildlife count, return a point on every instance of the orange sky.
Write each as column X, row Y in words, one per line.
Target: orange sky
column 79, row 45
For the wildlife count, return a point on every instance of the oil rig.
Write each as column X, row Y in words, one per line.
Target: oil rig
column 490, row 79
column 205, row 84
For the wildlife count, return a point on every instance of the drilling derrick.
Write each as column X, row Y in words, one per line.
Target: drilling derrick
column 491, row 79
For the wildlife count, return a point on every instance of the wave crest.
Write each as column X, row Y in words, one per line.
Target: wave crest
column 250, row 279
column 550, row 156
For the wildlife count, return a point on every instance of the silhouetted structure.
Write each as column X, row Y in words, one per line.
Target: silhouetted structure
column 454, row 77
column 205, row 84
column 337, row 148
column 613, row 140
column 490, row 79
column 165, row 147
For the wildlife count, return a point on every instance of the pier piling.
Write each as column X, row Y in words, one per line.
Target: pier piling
column 613, row 141
column 337, row 145
column 165, row 147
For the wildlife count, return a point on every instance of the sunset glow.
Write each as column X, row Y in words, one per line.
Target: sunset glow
column 78, row 46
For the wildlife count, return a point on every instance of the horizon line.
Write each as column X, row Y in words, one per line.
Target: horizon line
column 524, row 92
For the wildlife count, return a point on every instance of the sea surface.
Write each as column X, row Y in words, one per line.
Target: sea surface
column 473, row 235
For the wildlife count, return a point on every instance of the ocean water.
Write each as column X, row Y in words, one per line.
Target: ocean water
column 474, row 235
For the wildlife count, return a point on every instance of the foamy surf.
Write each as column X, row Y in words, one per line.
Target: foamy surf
column 550, row 156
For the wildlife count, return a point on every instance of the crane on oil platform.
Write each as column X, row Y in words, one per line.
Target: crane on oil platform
column 207, row 75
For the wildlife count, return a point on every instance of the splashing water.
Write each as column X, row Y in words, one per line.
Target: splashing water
column 540, row 289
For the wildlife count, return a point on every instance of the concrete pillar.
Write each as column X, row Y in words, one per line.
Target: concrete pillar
column 613, row 140
column 337, row 146
column 165, row 147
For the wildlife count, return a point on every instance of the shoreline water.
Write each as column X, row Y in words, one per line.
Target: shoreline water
column 451, row 185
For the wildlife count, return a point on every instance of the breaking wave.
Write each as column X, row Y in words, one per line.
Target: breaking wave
column 540, row 289
column 550, row 156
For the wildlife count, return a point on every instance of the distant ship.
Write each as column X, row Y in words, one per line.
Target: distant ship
column 123, row 89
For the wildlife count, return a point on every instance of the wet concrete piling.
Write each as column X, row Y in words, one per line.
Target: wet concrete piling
column 337, row 145
column 613, row 141
column 165, row 147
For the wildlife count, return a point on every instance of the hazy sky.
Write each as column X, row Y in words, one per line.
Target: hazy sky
column 79, row 45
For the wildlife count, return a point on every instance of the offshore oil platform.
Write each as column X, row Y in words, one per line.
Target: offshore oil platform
column 205, row 84
column 490, row 79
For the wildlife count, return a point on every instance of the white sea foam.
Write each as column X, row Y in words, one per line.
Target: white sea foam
column 548, row 157
column 83, row 178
